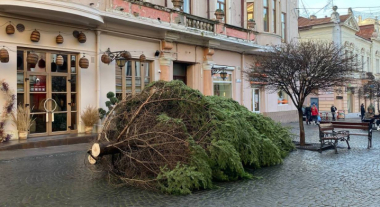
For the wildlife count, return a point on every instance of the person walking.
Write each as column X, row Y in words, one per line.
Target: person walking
column 362, row 111
column 308, row 114
column 314, row 113
column 333, row 110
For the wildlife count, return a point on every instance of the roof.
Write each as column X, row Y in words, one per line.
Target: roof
column 366, row 31
column 306, row 22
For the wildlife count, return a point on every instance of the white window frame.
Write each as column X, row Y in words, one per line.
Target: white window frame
column 229, row 71
column 253, row 99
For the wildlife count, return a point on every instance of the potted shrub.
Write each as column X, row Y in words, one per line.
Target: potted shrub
column 219, row 13
column 90, row 116
column 23, row 121
column 251, row 24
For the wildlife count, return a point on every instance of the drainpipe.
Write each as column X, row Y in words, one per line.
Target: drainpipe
column 242, row 78
column 97, row 65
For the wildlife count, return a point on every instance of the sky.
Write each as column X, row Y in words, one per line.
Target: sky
column 342, row 7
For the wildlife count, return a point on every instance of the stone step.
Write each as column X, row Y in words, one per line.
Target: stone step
column 47, row 141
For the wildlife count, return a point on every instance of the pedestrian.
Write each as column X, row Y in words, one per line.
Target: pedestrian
column 362, row 111
column 370, row 115
column 333, row 110
column 308, row 114
column 314, row 113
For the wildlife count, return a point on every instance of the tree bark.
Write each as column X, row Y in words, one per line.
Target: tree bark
column 302, row 130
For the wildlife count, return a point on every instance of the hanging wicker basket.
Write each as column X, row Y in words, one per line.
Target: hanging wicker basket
column 106, row 59
column 59, row 61
column 59, row 39
column 32, row 59
column 10, row 29
column 142, row 58
column 83, row 62
column 82, row 37
column 127, row 55
column 35, row 36
column 4, row 55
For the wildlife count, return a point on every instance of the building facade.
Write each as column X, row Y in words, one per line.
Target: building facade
column 184, row 42
column 360, row 39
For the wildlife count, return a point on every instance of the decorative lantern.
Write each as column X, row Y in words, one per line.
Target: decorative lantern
column 223, row 75
column 35, row 36
column 106, row 59
column 127, row 55
column 10, row 29
column 4, row 55
column 59, row 39
column 59, row 61
column 142, row 58
column 83, row 62
column 32, row 59
column 41, row 63
column 82, row 37
column 121, row 62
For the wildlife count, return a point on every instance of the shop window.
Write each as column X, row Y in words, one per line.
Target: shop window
column 282, row 98
column 132, row 79
column 222, row 87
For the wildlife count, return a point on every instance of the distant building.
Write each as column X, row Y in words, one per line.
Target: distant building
column 359, row 38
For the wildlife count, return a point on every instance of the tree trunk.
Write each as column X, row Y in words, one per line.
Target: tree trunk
column 105, row 148
column 302, row 130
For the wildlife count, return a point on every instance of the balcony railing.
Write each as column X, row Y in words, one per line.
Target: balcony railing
column 199, row 23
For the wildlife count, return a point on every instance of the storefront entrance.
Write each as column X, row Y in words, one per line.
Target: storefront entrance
column 49, row 89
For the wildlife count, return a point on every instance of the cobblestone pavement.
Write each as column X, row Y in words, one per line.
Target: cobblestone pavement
column 306, row 178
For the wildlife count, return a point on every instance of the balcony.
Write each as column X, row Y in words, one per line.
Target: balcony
column 172, row 25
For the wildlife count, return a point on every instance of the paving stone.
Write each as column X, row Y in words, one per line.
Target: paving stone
column 306, row 178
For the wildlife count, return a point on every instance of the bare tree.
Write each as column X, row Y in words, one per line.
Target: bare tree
column 301, row 69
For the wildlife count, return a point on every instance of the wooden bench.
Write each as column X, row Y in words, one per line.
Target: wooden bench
column 349, row 125
column 328, row 136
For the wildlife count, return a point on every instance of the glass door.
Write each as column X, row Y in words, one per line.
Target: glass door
column 36, row 100
column 256, row 100
column 49, row 89
column 59, row 114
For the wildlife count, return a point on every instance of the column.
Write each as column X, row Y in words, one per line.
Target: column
column 166, row 61
column 207, row 77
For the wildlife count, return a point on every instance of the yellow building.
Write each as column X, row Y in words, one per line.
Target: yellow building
column 358, row 38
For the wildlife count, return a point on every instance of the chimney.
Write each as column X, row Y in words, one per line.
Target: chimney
column 313, row 17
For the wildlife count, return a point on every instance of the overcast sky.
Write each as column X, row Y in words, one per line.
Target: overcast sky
column 343, row 4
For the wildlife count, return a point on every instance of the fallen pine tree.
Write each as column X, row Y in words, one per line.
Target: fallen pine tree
column 172, row 138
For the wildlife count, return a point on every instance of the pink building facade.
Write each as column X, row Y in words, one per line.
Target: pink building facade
column 185, row 42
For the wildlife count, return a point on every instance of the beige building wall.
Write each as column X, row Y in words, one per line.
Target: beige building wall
column 49, row 31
